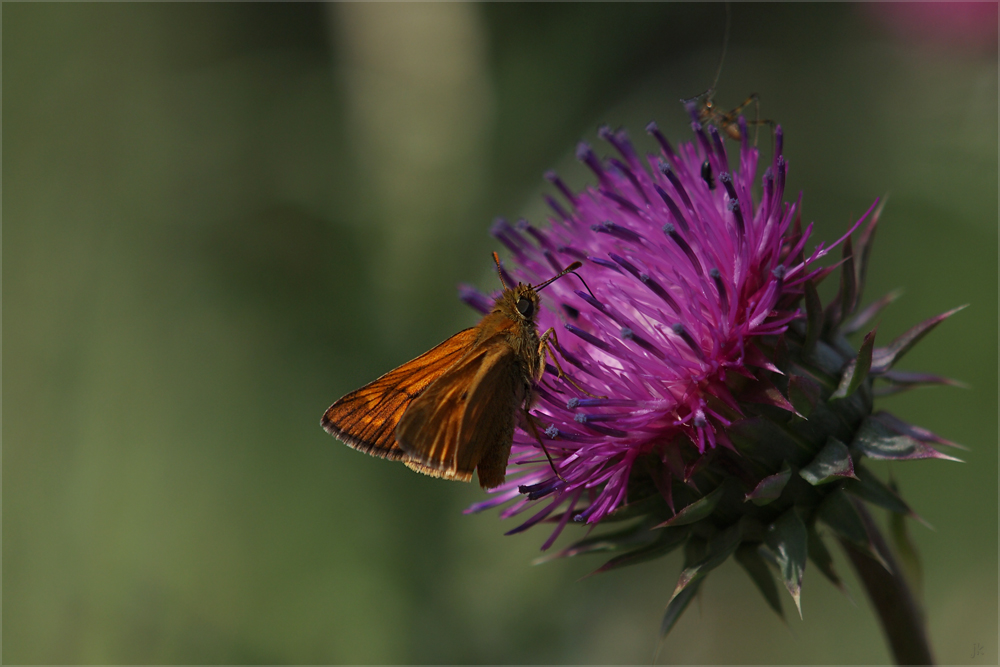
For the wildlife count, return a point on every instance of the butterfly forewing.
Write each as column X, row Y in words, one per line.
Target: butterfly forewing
column 465, row 418
column 366, row 419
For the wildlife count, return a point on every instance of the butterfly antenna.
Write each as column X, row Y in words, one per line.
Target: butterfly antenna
column 584, row 283
column 496, row 258
column 569, row 269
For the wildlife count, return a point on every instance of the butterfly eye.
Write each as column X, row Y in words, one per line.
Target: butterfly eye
column 525, row 306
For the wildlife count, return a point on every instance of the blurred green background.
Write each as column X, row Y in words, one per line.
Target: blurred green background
column 220, row 218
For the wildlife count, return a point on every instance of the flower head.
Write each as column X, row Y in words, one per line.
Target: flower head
column 706, row 392
column 686, row 270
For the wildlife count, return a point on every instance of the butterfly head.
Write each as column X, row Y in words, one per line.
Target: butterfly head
column 523, row 299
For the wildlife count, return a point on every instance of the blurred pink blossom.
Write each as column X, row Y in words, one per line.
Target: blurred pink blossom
column 955, row 26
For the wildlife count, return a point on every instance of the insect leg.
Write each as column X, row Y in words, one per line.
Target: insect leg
column 751, row 99
column 731, row 117
column 534, row 431
column 544, row 346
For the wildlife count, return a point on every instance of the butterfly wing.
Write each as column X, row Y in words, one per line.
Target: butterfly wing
column 465, row 419
column 366, row 419
column 488, row 427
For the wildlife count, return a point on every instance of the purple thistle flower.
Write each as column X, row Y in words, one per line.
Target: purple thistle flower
column 686, row 271
column 709, row 399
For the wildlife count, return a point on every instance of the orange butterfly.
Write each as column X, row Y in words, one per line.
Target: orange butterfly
column 452, row 410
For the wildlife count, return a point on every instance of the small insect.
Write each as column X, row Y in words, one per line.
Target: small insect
column 453, row 409
column 727, row 122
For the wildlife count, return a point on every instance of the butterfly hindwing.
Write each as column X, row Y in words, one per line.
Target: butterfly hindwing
column 366, row 419
column 465, row 419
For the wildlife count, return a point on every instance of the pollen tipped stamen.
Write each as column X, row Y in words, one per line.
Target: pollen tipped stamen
column 628, row 334
column 553, row 178
column 602, row 403
column 674, row 211
column 553, row 262
column 540, row 490
column 585, row 514
column 630, row 175
column 623, row 203
column 727, row 182
column 605, row 430
column 734, row 202
column 699, row 131
column 703, row 142
column 586, row 155
column 680, row 330
column 681, row 192
column 624, row 146
column 734, row 206
column 624, row 263
column 668, row 150
column 720, row 149
column 779, row 274
column 608, row 227
column 590, row 338
column 720, row 287
column 571, row 252
column 556, row 208
column 644, row 278
column 597, row 305
column 768, row 201
column 509, row 237
column 474, row 298
column 619, row 140
column 659, row 291
column 587, row 418
column 779, row 185
column 672, row 234
column 608, row 264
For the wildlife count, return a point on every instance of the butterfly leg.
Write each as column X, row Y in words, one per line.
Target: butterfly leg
column 534, row 431
column 544, row 346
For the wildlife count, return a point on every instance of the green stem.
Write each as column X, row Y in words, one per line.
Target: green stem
column 897, row 609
